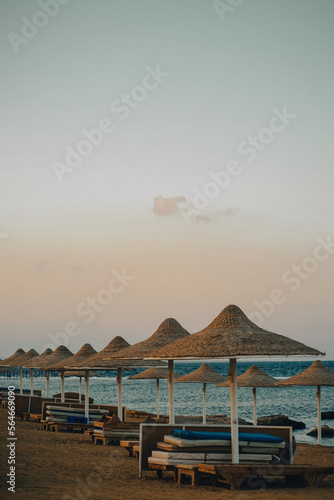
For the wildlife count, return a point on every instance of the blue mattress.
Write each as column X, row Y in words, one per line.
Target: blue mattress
column 243, row 436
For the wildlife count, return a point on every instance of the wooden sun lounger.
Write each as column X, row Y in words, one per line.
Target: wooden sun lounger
column 236, row 475
column 161, row 468
column 129, row 445
column 188, row 470
column 153, row 438
column 114, row 437
column 45, row 424
column 35, row 417
column 31, row 417
column 70, row 427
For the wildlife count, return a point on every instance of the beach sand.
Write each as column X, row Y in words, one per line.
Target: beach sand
column 66, row 466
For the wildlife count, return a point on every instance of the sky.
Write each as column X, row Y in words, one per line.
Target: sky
column 165, row 159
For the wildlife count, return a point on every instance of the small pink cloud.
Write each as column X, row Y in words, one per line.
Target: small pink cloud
column 166, row 206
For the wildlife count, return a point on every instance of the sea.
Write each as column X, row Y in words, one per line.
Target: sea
column 298, row 403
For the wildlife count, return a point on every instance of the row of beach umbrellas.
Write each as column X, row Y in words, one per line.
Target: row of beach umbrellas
column 230, row 335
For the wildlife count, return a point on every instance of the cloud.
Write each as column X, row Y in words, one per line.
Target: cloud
column 166, row 206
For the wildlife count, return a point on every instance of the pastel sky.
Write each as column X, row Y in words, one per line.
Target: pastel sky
column 209, row 183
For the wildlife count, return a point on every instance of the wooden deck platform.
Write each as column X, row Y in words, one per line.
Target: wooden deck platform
column 236, row 475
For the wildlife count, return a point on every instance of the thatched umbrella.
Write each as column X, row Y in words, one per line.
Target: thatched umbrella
column 232, row 335
column 254, row 377
column 154, row 373
column 99, row 362
column 36, row 362
column 14, row 357
column 62, row 352
column 46, row 363
column 84, row 353
column 22, row 362
column 168, row 331
column 116, row 344
column 317, row 374
column 80, row 374
column 11, row 362
column 205, row 375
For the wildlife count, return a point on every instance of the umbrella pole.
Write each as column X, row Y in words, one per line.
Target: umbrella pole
column 254, row 406
column 62, row 387
column 157, row 398
column 21, row 387
column 319, row 414
column 86, row 396
column 47, row 376
column 171, row 391
column 234, row 411
column 119, row 393
column 204, row 402
column 79, row 389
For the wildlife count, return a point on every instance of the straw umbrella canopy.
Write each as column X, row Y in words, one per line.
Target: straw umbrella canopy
column 254, row 377
column 86, row 351
column 99, row 362
column 28, row 356
column 59, row 354
column 318, row 374
column 116, row 344
column 232, row 335
column 167, row 332
column 37, row 361
column 11, row 360
column 205, row 374
column 154, row 373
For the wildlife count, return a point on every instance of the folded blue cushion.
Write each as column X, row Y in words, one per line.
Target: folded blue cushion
column 243, row 436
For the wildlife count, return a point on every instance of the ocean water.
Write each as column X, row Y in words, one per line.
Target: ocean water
column 298, row 403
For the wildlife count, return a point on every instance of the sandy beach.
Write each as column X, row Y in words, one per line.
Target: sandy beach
column 68, row 466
